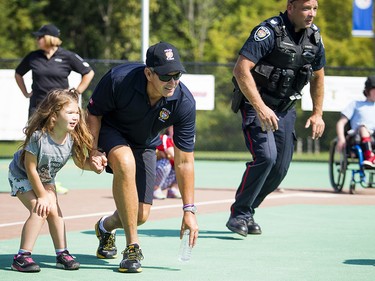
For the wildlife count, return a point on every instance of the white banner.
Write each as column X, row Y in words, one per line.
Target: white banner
column 203, row 89
column 339, row 91
column 14, row 107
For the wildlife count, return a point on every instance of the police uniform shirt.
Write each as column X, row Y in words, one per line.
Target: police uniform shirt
column 122, row 101
column 261, row 42
column 50, row 74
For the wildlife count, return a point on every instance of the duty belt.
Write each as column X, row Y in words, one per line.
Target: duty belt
column 279, row 105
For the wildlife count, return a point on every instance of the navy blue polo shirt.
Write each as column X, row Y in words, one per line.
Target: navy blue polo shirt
column 50, row 74
column 256, row 47
column 121, row 99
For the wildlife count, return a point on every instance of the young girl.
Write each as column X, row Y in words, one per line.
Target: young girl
column 55, row 132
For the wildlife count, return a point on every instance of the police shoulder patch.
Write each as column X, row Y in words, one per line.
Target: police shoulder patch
column 261, row 33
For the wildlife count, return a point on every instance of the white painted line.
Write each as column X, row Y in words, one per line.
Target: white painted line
column 304, row 195
column 204, row 203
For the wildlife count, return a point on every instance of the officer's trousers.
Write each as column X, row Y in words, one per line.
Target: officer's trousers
column 272, row 153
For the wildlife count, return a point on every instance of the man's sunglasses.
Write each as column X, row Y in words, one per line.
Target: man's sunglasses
column 166, row 77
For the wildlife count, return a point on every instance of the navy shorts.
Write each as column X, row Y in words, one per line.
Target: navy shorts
column 145, row 159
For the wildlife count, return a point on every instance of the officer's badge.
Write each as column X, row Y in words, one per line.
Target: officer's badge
column 261, row 33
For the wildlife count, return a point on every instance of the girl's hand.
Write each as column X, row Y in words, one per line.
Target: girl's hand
column 43, row 206
column 98, row 161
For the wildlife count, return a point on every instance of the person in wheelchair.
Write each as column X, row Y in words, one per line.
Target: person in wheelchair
column 360, row 115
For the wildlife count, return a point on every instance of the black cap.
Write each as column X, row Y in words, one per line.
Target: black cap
column 164, row 58
column 370, row 82
column 48, row 29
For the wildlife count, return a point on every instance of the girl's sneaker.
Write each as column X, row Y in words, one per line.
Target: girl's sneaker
column 24, row 263
column 66, row 261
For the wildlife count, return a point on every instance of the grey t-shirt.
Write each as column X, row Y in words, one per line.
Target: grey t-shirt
column 51, row 157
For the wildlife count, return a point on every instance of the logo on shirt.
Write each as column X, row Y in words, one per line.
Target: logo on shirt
column 58, row 60
column 261, row 33
column 164, row 114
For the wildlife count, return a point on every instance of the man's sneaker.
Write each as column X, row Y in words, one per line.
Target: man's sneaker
column 65, row 261
column 107, row 243
column 130, row 262
column 173, row 192
column 24, row 263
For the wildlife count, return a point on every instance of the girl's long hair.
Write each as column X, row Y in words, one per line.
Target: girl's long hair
column 42, row 120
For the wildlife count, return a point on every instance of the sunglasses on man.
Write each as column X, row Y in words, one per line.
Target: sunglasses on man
column 166, row 77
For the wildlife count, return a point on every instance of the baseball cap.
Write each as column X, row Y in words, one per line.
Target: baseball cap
column 370, row 82
column 164, row 58
column 48, row 29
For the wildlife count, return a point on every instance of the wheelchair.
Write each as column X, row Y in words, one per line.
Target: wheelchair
column 350, row 158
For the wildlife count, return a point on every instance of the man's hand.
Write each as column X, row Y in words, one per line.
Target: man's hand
column 268, row 119
column 189, row 221
column 317, row 126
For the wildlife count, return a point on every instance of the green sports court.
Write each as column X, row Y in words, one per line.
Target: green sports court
column 309, row 232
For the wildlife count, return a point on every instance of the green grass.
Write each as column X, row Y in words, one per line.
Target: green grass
column 7, row 149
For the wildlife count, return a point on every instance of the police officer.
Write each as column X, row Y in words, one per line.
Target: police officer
column 50, row 66
column 129, row 107
column 281, row 55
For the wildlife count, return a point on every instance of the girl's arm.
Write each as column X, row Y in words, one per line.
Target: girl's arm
column 43, row 205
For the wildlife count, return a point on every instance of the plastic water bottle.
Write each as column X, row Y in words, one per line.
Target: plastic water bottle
column 184, row 254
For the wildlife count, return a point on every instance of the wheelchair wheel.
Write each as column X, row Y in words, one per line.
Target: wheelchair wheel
column 338, row 163
column 352, row 187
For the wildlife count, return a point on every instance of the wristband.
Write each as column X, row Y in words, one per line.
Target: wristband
column 188, row 205
column 189, row 208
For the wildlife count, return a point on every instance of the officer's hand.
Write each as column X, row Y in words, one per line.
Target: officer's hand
column 317, row 126
column 268, row 119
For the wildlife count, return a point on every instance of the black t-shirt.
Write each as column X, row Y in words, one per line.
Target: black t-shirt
column 121, row 99
column 50, row 74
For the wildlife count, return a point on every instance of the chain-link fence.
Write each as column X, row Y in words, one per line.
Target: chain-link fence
column 220, row 129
